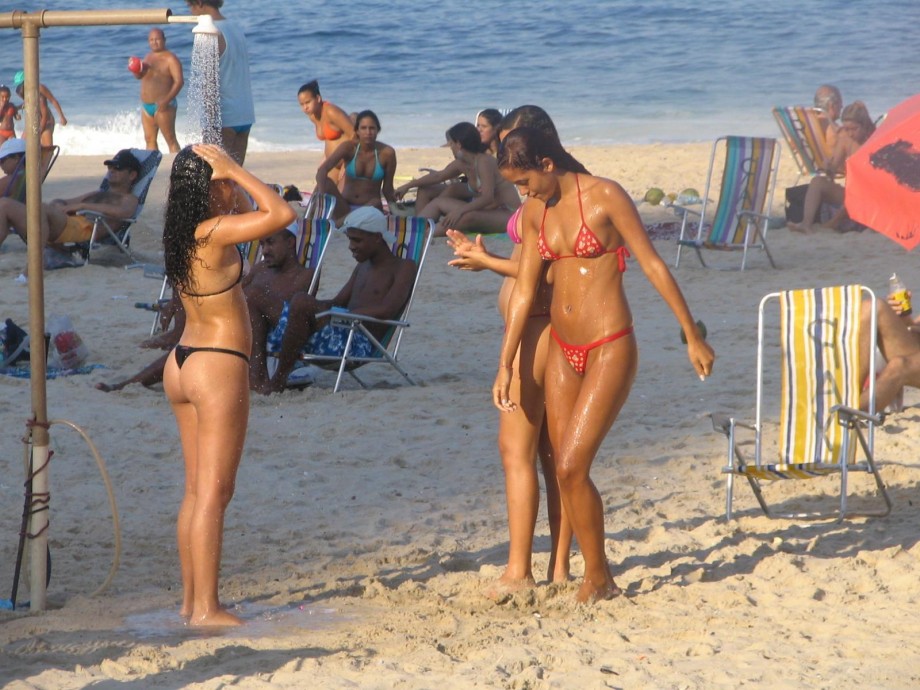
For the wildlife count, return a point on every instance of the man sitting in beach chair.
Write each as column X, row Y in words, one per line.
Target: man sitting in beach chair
column 12, row 154
column 270, row 288
column 379, row 287
column 60, row 222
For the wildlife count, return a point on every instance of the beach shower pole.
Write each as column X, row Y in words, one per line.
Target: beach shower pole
column 29, row 24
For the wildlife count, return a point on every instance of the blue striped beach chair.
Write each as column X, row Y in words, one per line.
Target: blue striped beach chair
column 413, row 237
column 804, row 128
column 311, row 246
column 745, row 197
column 320, row 206
column 821, row 428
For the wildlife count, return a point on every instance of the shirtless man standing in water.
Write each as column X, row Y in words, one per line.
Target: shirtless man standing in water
column 160, row 74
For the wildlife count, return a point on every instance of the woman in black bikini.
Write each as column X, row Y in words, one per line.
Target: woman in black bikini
column 207, row 378
column 583, row 229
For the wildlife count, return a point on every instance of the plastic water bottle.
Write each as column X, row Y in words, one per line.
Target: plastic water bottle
column 897, row 291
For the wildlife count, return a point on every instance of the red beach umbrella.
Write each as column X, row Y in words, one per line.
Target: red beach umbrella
column 883, row 177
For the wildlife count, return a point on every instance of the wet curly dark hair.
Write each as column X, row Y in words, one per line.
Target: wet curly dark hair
column 187, row 205
column 525, row 148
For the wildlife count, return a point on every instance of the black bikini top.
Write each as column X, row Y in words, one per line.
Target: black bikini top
column 226, row 289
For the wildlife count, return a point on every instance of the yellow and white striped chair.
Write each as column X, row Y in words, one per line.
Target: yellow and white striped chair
column 821, row 428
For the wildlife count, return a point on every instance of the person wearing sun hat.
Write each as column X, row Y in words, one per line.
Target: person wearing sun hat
column 12, row 151
column 379, row 287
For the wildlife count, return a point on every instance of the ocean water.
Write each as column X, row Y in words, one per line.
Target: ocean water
column 608, row 71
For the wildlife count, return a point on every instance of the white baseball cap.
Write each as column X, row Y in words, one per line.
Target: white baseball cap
column 369, row 219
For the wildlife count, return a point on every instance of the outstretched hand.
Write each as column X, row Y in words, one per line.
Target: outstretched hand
column 470, row 253
column 220, row 161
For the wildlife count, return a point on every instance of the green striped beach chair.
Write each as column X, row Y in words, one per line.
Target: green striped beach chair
column 745, row 196
column 821, row 429
column 804, row 129
column 413, row 237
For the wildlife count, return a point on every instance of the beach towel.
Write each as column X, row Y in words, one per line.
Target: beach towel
column 51, row 373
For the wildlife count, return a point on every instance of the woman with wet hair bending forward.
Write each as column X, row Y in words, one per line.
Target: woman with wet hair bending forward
column 583, row 228
column 206, row 378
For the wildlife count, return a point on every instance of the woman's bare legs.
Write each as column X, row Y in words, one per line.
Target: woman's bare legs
column 580, row 411
column 560, row 529
column 820, row 190
column 487, row 221
column 521, row 434
column 210, row 399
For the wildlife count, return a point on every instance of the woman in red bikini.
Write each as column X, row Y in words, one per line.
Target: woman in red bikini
column 206, row 377
column 583, row 229
column 333, row 126
column 522, row 434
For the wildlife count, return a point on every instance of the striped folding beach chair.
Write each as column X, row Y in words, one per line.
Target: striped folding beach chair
column 16, row 185
column 413, row 236
column 311, row 246
column 745, row 197
column 804, row 131
column 821, row 429
column 320, row 206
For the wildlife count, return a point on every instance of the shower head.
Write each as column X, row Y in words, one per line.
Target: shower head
column 205, row 26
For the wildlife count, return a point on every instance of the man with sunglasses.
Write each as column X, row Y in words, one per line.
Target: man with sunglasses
column 59, row 220
column 829, row 101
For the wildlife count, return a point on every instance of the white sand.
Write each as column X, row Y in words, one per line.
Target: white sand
column 365, row 523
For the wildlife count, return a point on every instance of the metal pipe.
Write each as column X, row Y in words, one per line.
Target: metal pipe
column 45, row 18
column 29, row 24
column 38, row 523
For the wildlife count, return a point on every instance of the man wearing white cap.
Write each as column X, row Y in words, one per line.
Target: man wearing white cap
column 379, row 287
column 11, row 154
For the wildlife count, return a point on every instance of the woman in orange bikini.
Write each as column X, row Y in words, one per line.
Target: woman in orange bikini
column 332, row 123
column 583, row 229
column 206, row 377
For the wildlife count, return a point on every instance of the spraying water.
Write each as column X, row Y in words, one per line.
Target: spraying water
column 204, row 89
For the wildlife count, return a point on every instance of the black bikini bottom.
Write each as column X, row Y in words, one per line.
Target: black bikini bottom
column 184, row 351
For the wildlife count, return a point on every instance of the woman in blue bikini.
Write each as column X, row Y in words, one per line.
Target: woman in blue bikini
column 206, row 378
column 583, row 229
column 370, row 167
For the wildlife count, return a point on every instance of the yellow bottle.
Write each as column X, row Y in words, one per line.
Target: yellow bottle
column 897, row 291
